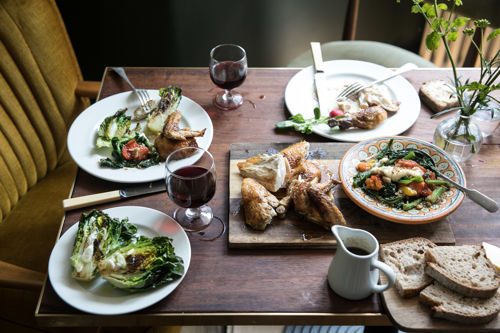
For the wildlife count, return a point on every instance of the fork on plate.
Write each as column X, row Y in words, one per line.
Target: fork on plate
column 142, row 94
column 356, row 87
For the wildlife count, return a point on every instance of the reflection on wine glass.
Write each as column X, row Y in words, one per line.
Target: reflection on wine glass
column 191, row 186
column 228, row 70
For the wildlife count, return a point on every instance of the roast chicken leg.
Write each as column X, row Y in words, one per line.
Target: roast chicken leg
column 366, row 119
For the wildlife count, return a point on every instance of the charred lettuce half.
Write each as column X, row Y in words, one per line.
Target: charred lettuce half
column 98, row 234
column 170, row 98
column 142, row 264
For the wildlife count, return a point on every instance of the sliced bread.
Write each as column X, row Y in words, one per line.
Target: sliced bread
column 464, row 269
column 406, row 258
column 438, row 95
column 450, row 305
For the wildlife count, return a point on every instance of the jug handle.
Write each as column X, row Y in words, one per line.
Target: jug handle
column 389, row 273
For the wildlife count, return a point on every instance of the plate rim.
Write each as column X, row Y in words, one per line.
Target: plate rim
column 161, row 292
column 348, row 190
column 339, row 136
column 147, row 174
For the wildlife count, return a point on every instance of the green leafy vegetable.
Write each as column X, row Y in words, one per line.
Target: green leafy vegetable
column 436, row 194
column 142, row 264
column 300, row 124
column 412, row 204
column 118, row 161
column 113, row 126
column 407, row 180
column 170, row 99
column 360, row 178
column 97, row 235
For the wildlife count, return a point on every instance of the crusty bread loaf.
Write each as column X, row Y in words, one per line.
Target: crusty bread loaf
column 406, row 258
column 450, row 305
column 464, row 269
column 438, row 95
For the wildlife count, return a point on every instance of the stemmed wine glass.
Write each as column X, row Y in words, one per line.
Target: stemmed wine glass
column 228, row 70
column 191, row 186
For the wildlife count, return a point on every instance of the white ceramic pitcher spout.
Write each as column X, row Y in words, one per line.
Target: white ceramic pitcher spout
column 354, row 269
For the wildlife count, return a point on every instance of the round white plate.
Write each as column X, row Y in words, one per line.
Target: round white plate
column 98, row 296
column 83, row 133
column 300, row 92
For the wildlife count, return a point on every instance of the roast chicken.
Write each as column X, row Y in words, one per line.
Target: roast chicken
column 259, row 204
column 173, row 137
column 366, row 119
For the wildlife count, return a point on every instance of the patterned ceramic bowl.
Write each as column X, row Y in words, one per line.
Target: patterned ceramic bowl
column 445, row 164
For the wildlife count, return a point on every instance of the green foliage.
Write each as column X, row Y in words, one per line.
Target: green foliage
column 475, row 95
column 116, row 125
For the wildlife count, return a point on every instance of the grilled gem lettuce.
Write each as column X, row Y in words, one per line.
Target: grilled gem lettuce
column 97, row 235
column 142, row 264
column 170, row 98
column 115, row 126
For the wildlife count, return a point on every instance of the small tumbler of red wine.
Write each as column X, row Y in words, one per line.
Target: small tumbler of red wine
column 191, row 184
column 228, row 69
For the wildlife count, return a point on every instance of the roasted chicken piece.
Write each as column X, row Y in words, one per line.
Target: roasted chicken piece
column 173, row 138
column 258, row 203
column 269, row 170
column 172, row 131
column 295, row 154
column 316, row 202
column 366, row 119
column 165, row 146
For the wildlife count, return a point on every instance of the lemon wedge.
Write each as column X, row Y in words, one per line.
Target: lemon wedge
column 493, row 254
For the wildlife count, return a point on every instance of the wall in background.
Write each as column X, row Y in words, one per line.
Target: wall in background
column 181, row 33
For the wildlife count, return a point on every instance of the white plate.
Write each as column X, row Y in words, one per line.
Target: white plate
column 83, row 133
column 299, row 98
column 98, row 296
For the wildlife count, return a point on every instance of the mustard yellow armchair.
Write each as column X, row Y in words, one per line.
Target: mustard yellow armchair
column 41, row 92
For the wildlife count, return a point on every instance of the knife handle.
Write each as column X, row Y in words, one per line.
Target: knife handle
column 89, row 200
column 317, row 56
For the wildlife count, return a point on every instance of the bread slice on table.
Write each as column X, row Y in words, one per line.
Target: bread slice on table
column 464, row 269
column 438, row 95
column 407, row 259
column 452, row 306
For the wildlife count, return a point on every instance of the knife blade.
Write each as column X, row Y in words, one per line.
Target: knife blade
column 128, row 192
column 320, row 78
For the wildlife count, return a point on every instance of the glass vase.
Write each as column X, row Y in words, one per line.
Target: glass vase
column 459, row 136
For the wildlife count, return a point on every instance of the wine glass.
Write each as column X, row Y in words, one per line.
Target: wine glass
column 228, row 70
column 191, row 184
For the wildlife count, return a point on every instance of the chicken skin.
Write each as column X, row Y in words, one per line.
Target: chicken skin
column 173, row 138
column 258, row 203
column 316, row 202
column 295, row 153
column 366, row 119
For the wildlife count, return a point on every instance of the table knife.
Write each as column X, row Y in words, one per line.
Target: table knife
column 128, row 192
column 320, row 78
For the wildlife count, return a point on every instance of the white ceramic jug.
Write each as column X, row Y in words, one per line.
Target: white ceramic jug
column 354, row 269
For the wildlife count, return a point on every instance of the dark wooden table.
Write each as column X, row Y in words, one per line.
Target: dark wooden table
column 238, row 286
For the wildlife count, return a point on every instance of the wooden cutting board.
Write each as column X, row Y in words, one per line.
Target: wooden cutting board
column 294, row 231
column 409, row 315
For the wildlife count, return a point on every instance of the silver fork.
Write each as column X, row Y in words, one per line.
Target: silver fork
column 356, row 87
column 142, row 94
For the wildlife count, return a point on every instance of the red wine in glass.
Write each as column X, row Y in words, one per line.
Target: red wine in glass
column 191, row 183
column 194, row 188
column 228, row 74
column 228, row 70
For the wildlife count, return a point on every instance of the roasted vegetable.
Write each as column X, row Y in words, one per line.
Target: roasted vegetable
column 142, row 264
column 121, row 157
column 98, row 234
column 170, row 99
column 113, row 126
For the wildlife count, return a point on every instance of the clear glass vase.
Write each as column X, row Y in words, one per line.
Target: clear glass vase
column 459, row 136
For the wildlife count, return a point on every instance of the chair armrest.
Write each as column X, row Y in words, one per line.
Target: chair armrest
column 16, row 277
column 88, row 89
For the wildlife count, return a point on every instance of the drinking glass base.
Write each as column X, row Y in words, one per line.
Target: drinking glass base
column 194, row 219
column 225, row 100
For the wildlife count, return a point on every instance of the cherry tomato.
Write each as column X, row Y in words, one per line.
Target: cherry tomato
column 410, row 164
column 134, row 151
column 336, row 112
